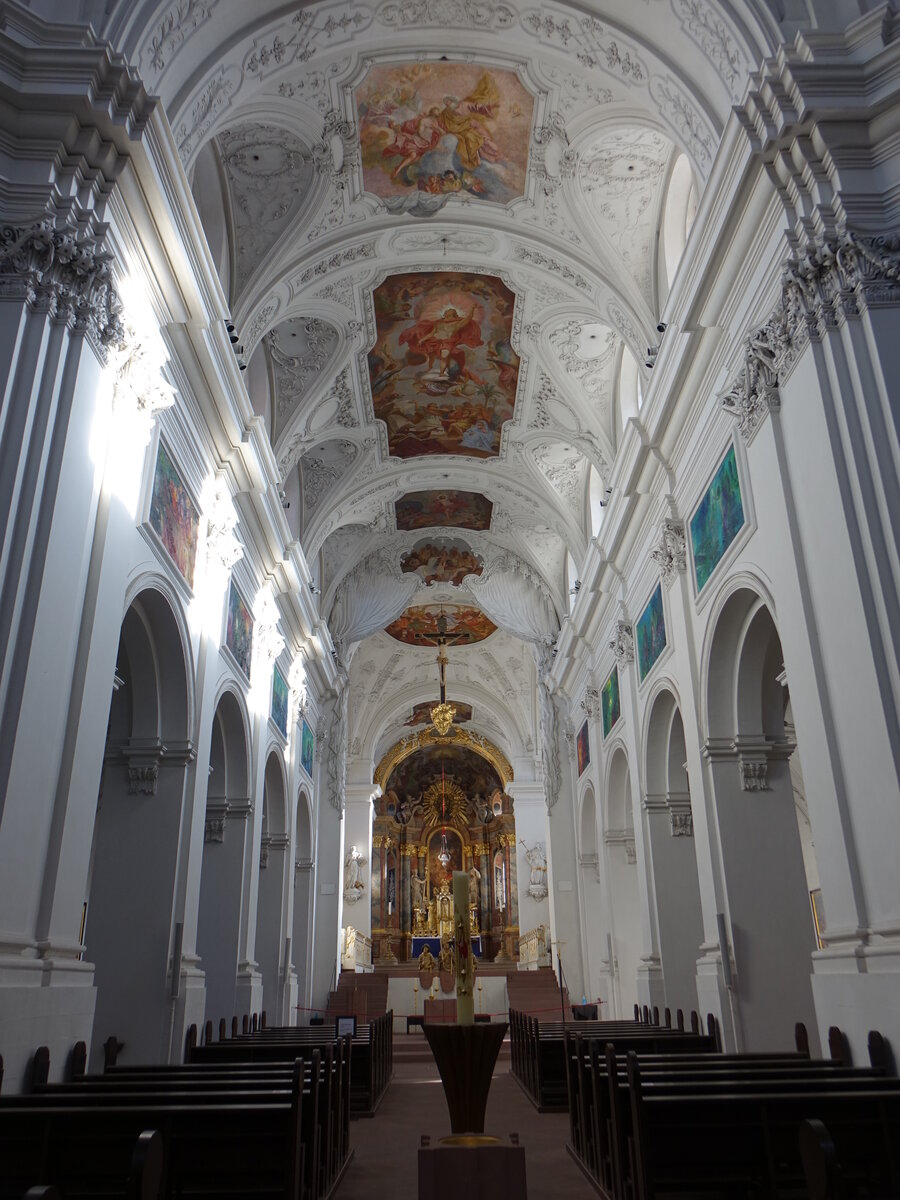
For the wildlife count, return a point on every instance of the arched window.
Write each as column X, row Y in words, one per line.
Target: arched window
column 679, row 213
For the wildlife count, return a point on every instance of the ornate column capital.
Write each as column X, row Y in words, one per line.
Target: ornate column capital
column 66, row 273
column 591, row 703
column 222, row 547
column 622, row 643
column 671, row 553
column 268, row 642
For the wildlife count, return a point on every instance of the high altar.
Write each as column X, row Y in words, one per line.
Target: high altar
column 443, row 808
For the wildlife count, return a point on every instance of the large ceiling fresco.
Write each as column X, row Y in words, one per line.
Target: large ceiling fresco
column 443, row 371
column 421, row 510
column 444, row 129
column 418, row 625
column 441, row 562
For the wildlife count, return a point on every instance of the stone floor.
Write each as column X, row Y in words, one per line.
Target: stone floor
column 384, row 1163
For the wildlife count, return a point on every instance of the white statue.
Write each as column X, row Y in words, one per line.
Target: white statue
column 537, row 861
column 418, row 891
column 354, row 884
column 474, row 880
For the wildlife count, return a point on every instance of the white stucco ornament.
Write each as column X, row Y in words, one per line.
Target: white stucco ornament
column 354, row 882
column 536, row 858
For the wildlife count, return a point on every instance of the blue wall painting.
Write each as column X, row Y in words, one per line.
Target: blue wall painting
column 279, row 700
column 650, row 633
column 610, row 701
column 307, row 747
column 718, row 519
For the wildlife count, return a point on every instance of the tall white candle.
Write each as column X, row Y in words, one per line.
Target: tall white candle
column 465, row 962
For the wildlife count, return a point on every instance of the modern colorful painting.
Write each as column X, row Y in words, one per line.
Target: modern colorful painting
column 443, row 128
column 650, row 633
column 421, row 713
column 307, row 749
column 718, row 519
column 441, row 562
column 418, row 625
column 239, row 630
column 279, row 712
column 443, row 371
column 609, row 701
column 421, row 510
column 174, row 515
column 583, row 748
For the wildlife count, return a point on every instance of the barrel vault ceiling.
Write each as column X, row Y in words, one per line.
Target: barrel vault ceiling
column 437, row 224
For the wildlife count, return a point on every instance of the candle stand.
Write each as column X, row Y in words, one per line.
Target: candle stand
column 465, row 1057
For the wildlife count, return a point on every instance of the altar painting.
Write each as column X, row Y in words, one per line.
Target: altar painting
column 444, row 129
column 421, row 510
column 174, row 515
column 441, row 562
column 443, row 371
column 437, row 872
column 421, row 714
column 418, row 625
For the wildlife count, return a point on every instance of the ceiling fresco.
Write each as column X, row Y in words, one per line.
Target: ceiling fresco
column 441, row 562
column 421, row 510
column 418, row 625
column 443, row 371
column 444, row 128
column 421, row 713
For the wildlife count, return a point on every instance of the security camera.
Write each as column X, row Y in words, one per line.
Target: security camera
column 661, row 327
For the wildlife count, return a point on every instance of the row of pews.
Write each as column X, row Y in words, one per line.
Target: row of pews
column 538, row 1049
column 657, row 1109
column 372, row 1058
column 264, row 1113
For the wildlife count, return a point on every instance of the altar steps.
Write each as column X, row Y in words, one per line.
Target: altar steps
column 411, row 1049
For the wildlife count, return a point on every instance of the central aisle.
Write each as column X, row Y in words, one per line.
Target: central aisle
column 385, row 1149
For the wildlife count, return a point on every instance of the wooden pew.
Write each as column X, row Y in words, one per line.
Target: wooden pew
column 333, row 1105
column 310, row 1079
column 93, row 1172
column 371, row 1061
column 743, row 1137
column 540, row 1058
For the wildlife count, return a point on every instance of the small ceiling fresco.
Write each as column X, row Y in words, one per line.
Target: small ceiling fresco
column 421, row 714
column 443, row 129
column 443, row 371
column 441, row 562
column 468, row 770
column 418, row 625
column 421, row 510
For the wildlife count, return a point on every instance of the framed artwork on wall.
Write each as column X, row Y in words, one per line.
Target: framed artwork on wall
column 609, row 700
column 279, row 711
column 650, row 633
column 583, row 748
column 174, row 517
column 239, row 630
column 307, row 749
column 718, row 519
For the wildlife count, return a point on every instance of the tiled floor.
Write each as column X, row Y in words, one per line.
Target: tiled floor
column 384, row 1165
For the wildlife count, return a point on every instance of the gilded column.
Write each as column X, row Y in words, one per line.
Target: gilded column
column 512, row 899
column 406, row 853
column 377, row 876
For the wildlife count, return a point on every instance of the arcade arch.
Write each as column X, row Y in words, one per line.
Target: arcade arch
column 130, row 926
column 622, row 882
column 225, row 849
column 756, row 819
